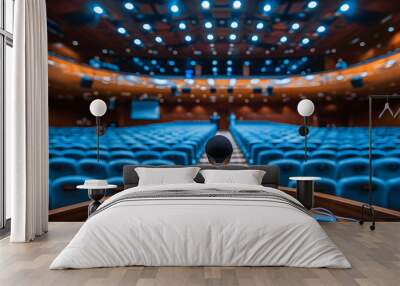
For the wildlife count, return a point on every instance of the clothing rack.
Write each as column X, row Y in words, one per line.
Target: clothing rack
column 368, row 209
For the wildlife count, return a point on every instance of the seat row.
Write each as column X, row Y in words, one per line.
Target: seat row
column 182, row 155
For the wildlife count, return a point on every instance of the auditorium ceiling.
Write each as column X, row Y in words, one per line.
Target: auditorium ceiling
column 221, row 37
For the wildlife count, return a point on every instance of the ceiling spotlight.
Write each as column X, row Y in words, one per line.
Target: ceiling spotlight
column 147, row 27
column 260, row 25
column 236, row 4
column 137, row 42
column 312, row 4
column 174, row 8
column 232, row 37
column 129, row 6
column 321, row 29
column 98, row 10
column 158, row 39
column 295, row 26
column 121, row 30
column 208, row 25
column 214, row 62
column 254, row 38
column 205, row 5
column 305, row 41
column 234, row 25
column 283, row 39
column 267, row 7
column 182, row 26
column 345, row 7
column 188, row 38
column 210, row 37
column 390, row 29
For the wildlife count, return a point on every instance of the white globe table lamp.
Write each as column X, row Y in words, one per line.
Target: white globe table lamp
column 305, row 108
column 98, row 108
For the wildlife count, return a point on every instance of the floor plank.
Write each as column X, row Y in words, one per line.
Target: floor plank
column 375, row 257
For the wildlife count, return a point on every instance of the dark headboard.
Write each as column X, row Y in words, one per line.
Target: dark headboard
column 270, row 179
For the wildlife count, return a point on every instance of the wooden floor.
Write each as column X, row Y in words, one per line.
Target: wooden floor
column 375, row 257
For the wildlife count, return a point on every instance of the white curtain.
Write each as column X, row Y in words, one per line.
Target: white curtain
column 27, row 123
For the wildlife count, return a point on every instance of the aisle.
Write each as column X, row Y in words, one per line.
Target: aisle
column 237, row 156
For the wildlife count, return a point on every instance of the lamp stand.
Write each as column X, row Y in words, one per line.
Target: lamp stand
column 305, row 139
column 98, row 137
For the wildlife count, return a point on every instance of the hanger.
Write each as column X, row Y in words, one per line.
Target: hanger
column 387, row 107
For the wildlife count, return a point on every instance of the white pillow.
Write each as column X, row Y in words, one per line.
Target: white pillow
column 248, row 177
column 166, row 176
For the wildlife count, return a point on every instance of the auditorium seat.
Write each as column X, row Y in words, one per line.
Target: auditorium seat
column 121, row 155
column 159, row 148
column 92, row 169
column 138, row 148
column 103, row 155
column 320, row 168
column 158, row 162
column 356, row 188
column 75, row 154
column 394, row 153
column 346, row 154
column 63, row 192
column 178, row 157
column 394, row 194
column 61, row 167
column 323, row 154
column 147, row 155
column 265, row 157
column 376, row 154
column 287, row 168
column 54, row 153
column 353, row 167
column 115, row 167
column 387, row 168
column 188, row 150
column 295, row 155
column 326, row 186
column 257, row 148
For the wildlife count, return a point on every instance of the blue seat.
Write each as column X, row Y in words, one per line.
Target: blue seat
column 387, row 168
column 61, row 167
column 160, row 148
column 320, row 168
column 75, row 154
column 286, row 147
column 138, row 148
column 114, row 155
column 394, row 194
column 118, row 147
column 346, row 154
column 188, row 150
column 295, row 155
column 353, row 167
column 147, row 155
column 104, row 155
column 356, row 188
column 257, row 149
column 287, row 168
column 269, row 155
column 115, row 167
column 92, row 169
column 323, row 154
column 158, row 162
column 394, row 154
column 63, row 192
column 54, row 153
column 376, row 154
column 326, row 186
column 178, row 157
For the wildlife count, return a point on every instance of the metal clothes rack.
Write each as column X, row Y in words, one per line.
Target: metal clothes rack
column 368, row 209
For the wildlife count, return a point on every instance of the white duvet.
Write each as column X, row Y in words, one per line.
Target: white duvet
column 200, row 231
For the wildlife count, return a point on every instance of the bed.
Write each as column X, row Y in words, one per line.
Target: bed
column 199, row 224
